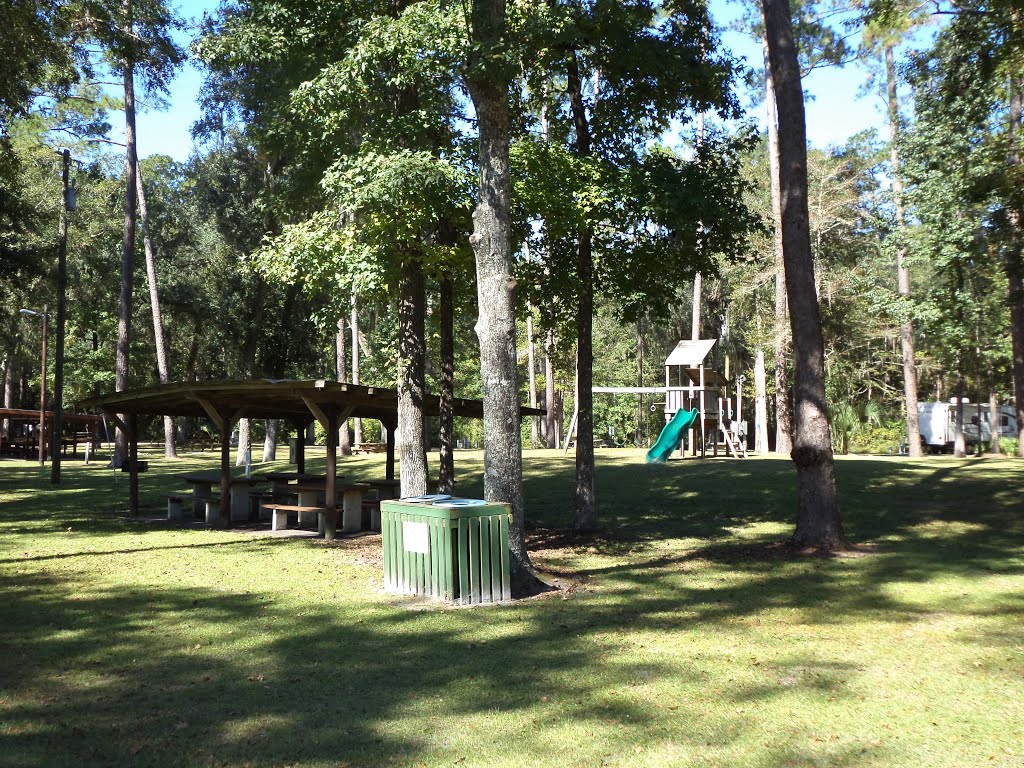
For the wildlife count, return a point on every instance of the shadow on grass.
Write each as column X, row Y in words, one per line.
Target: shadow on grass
column 149, row 676
column 168, row 676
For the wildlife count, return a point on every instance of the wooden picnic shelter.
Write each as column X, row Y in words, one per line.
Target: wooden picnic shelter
column 83, row 427
column 296, row 402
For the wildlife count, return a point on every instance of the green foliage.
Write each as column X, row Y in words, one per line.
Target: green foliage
column 139, row 34
column 39, row 55
column 883, row 438
column 655, row 217
column 962, row 192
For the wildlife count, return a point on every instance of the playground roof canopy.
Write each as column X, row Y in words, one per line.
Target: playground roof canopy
column 690, row 354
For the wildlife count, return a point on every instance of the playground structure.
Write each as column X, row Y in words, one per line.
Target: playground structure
column 691, row 387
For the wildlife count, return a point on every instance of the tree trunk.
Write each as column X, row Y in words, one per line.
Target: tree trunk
column 1014, row 264
column 273, row 426
column 534, row 420
column 411, row 437
column 586, row 501
column 783, row 422
column 959, row 438
column 244, row 441
column 492, row 246
column 357, row 423
column 760, row 405
column 903, row 272
column 446, row 420
column 695, row 315
column 698, row 280
column 640, row 438
column 819, row 523
column 994, row 417
column 340, row 369
column 124, row 317
column 159, row 340
column 249, row 362
column 551, row 433
column 5, row 425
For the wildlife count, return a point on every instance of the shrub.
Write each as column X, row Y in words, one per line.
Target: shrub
column 883, row 438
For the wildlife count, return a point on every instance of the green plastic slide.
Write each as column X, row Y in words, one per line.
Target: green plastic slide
column 671, row 436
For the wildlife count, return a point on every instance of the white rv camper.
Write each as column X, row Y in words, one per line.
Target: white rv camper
column 938, row 423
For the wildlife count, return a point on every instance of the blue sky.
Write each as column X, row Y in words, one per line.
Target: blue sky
column 834, row 110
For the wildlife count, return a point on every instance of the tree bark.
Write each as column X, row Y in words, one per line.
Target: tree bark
column 695, row 314
column 159, row 340
column 273, row 426
column 819, row 523
column 903, row 272
column 249, row 361
column 492, row 247
column 530, row 362
column 760, row 405
column 783, row 420
column 5, row 425
column 994, row 416
column 551, row 433
column 446, row 420
column 698, row 280
column 244, row 441
column 640, row 437
column 124, row 317
column 959, row 438
column 357, row 423
column 340, row 369
column 586, row 496
column 411, row 437
column 1014, row 264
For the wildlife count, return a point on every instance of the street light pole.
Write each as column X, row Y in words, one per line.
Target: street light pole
column 67, row 204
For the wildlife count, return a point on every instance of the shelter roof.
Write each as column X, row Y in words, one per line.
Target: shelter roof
column 272, row 399
column 690, row 354
column 67, row 417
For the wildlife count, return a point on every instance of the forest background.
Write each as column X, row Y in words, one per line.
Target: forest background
column 269, row 245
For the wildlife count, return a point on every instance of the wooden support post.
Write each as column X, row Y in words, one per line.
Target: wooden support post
column 225, row 472
column 389, row 429
column 330, row 490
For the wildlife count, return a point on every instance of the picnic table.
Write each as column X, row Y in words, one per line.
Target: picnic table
column 386, row 489
column 311, row 503
column 280, row 481
column 202, row 491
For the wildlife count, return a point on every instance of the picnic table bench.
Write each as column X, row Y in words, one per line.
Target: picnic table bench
column 369, row 448
column 311, row 504
column 279, row 514
column 202, row 492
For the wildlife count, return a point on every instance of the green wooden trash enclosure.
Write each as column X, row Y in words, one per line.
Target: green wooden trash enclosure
column 451, row 549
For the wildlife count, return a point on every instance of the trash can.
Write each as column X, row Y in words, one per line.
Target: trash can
column 445, row 548
column 293, row 447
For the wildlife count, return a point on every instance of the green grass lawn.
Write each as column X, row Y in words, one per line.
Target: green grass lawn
column 685, row 637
